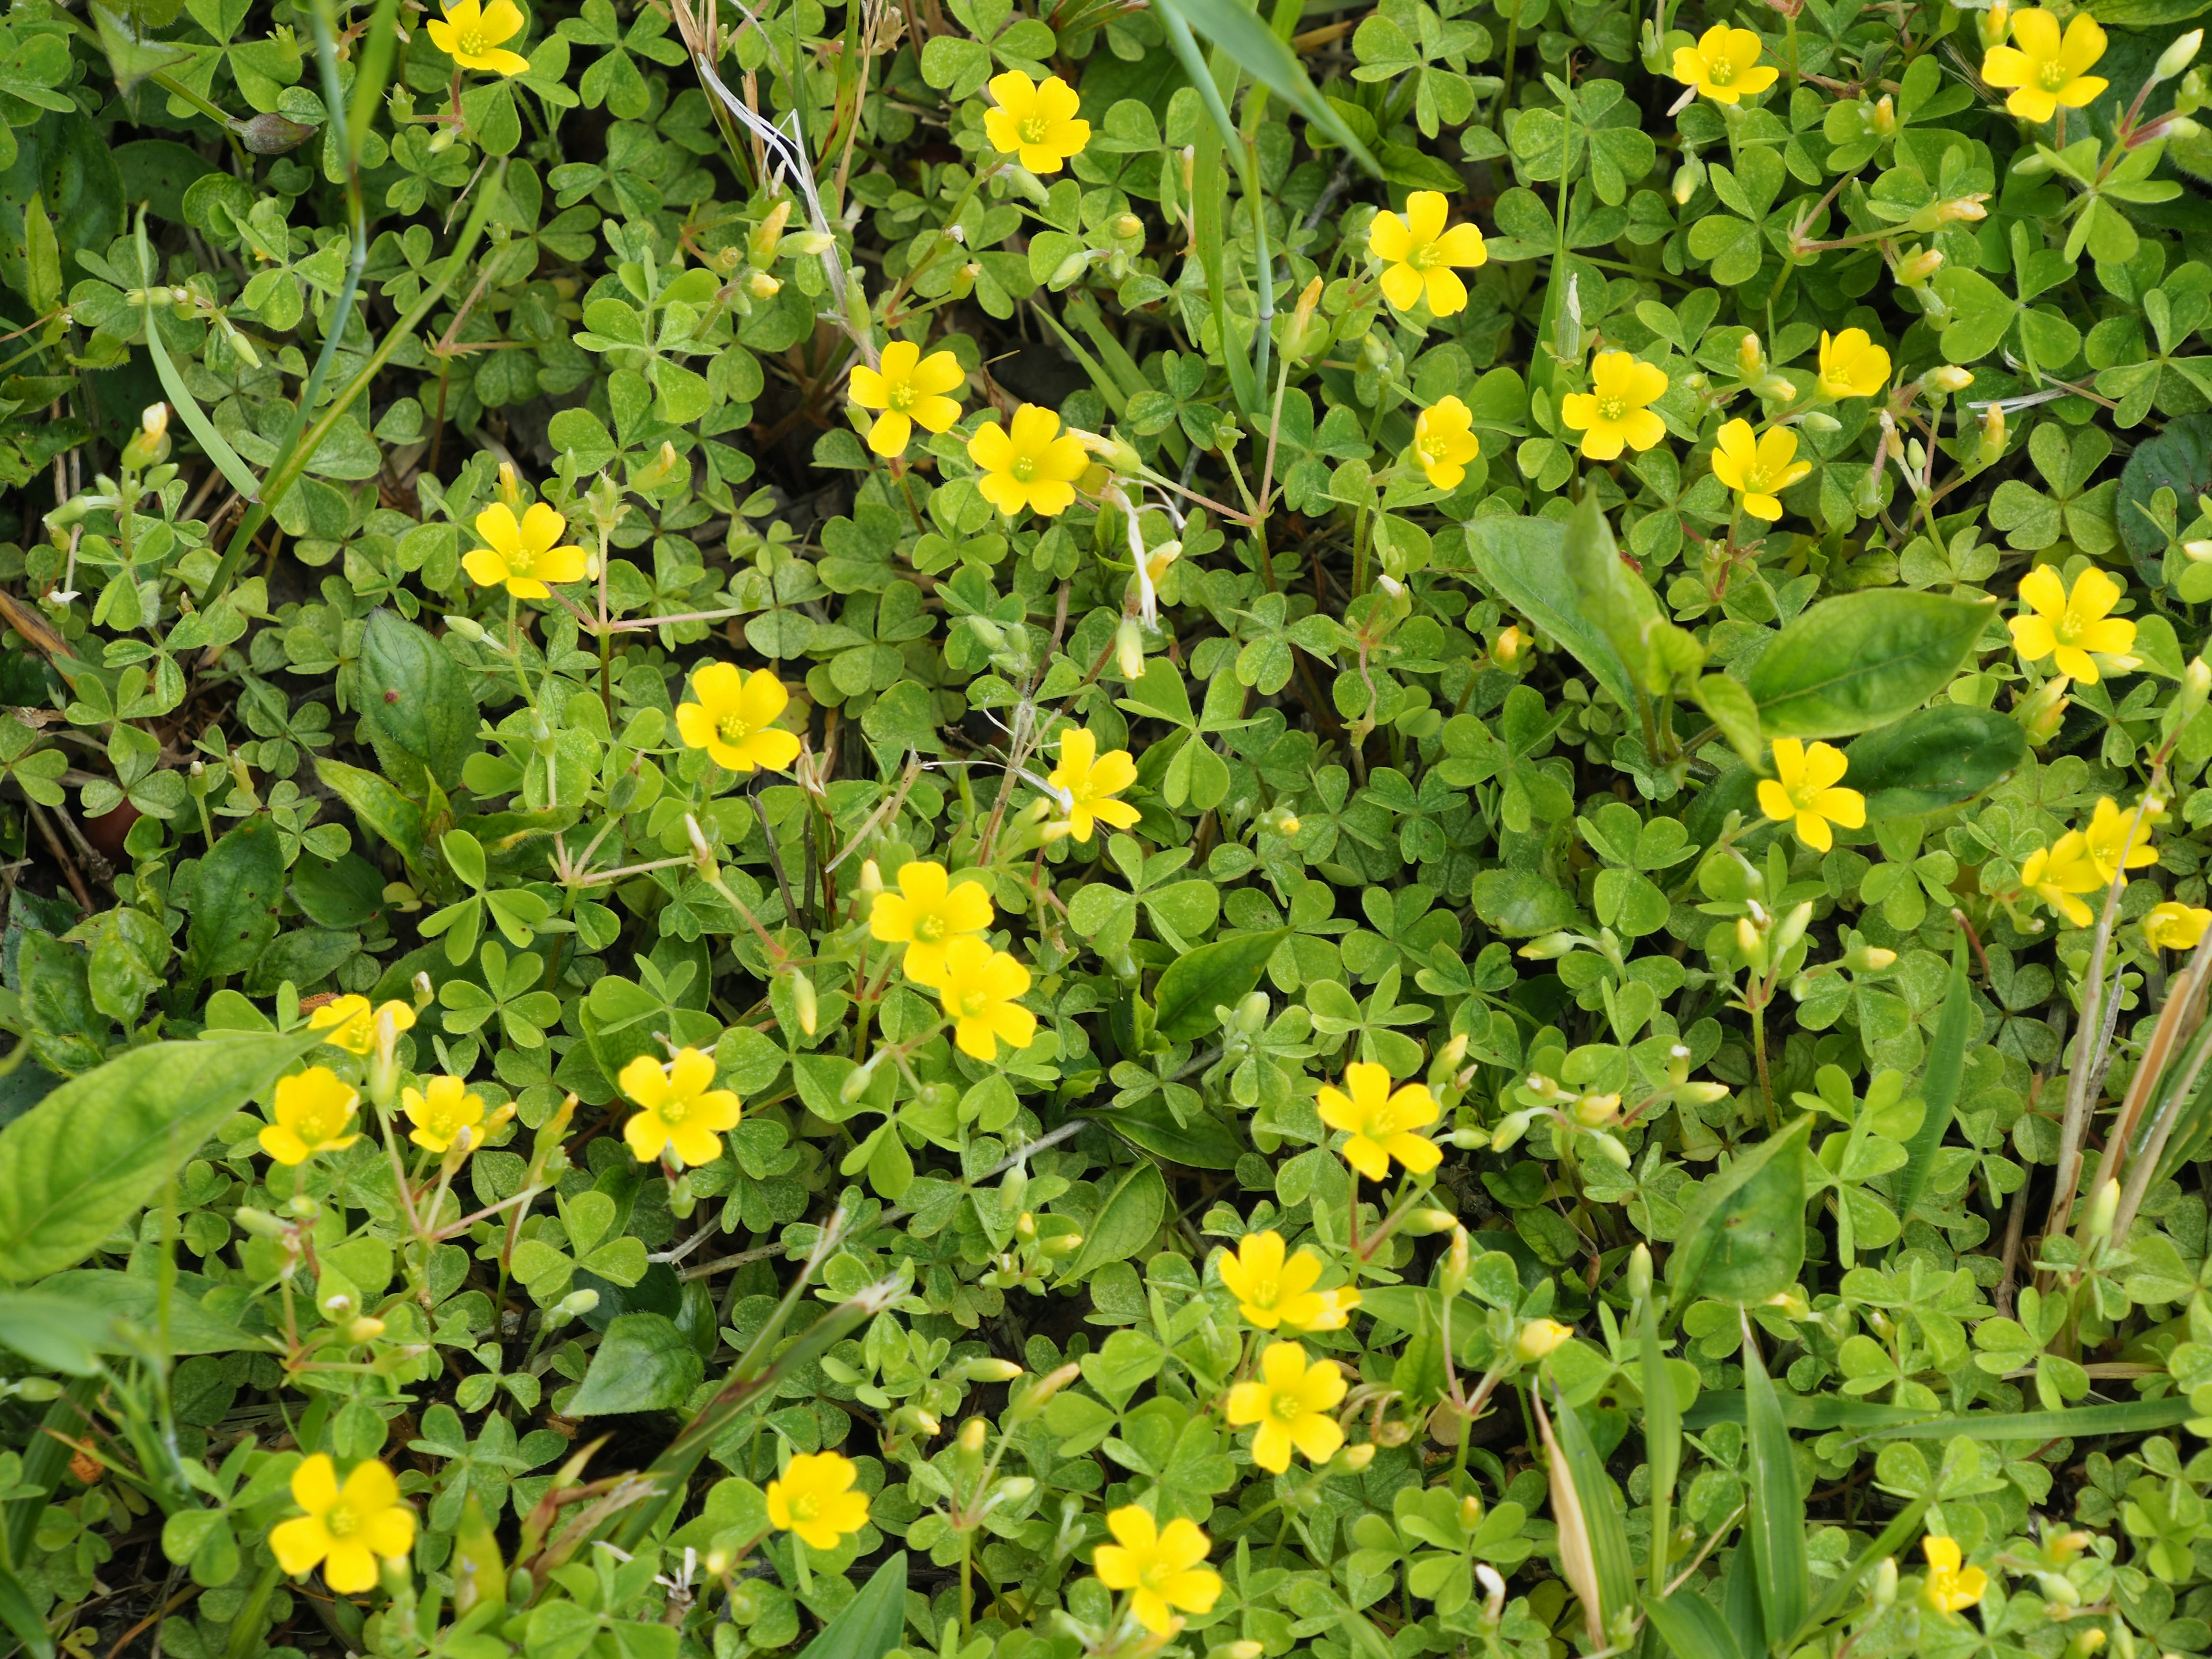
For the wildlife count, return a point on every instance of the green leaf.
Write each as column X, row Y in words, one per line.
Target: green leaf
column 415, row 701
column 1934, row 758
column 1205, row 1143
column 1602, row 1512
column 125, row 1300
column 870, row 1625
column 1861, row 661
column 1261, row 53
column 1621, row 604
column 1523, row 561
column 1125, row 1222
column 1663, row 1436
column 96, row 1150
column 1981, row 312
column 21, row 1614
column 235, row 471
column 1743, row 1240
column 643, row 1364
column 1957, row 1025
column 241, row 881
column 1732, row 708
column 1774, row 1516
column 380, row 808
column 1690, row 1628
column 1216, row 976
column 158, row 171
column 1520, row 904
column 2179, row 459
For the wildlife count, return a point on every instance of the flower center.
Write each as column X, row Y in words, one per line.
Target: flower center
column 928, row 929
column 2054, row 76
column 520, row 562
column 1287, row 1407
column 1613, row 409
column 1264, row 1292
column 1720, row 74
column 806, row 1507
column 1422, row 257
column 320, row 1124
column 1022, row 469
column 974, row 1003
column 1433, row 447
column 1036, row 129
column 674, row 1111
column 340, row 1520
column 900, row 396
column 472, row 45
column 733, row 729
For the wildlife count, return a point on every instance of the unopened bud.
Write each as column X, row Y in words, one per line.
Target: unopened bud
column 1251, row 1016
column 872, row 877
column 1750, row 361
column 1551, row 947
column 971, row 1436
column 2179, row 56
column 1030, row 1400
column 990, row 1370
column 1883, row 1589
column 1990, row 449
column 364, row 1329
column 1509, row 648
column 1595, row 1111
column 1129, row 228
column 701, row 854
column 1356, row 1458
column 1949, row 378
column 1961, row 211
column 1611, row 1150
column 802, row 995
column 1423, row 1223
column 857, row 1081
column 577, row 1304
column 1917, row 266
column 1869, row 959
column 260, row 1223
column 1539, row 1337
column 1639, row 1272
column 1130, row 648
column 762, row 286
column 2103, row 1211
column 1687, row 180
column 1509, row 1129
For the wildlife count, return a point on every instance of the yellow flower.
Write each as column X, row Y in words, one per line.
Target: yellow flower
column 1616, row 410
column 2056, row 873
column 1273, row 1290
column 1758, row 469
column 1290, row 1403
column 1087, row 783
column 910, row 388
column 1724, row 64
column 2174, row 926
column 525, row 555
column 351, row 1021
column 1803, row 793
column 2114, row 833
column 1418, row 254
column 313, row 1109
column 2072, row 626
column 814, row 1497
column 440, row 1112
column 927, row 915
column 1444, row 441
column 1036, row 121
column 470, row 35
column 683, row 1114
column 345, row 1528
column 1037, row 467
column 1381, row 1123
column 978, row 992
column 1852, row 365
column 1161, row 1564
column 2043, row 70
column 1951, row 1588
column 1539, row 1337
column 734, row 718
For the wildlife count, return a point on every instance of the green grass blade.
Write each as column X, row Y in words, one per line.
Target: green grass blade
column 1207, row 216
column 1956, row 1026
column 1690, row 1628
column 1599, row 1500
column 1775, row 1512
column 1662, row 1438
column 1263, row 56
column 226, row 459
column 1901, row 1531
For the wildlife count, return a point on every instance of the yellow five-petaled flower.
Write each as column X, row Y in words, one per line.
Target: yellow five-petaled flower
column 909, row 389
column 1758, row 469
column 2120, row 838
column 440, row 1112
column 471, row 36
column 2075, row 628
column 1615, row 412
column 1444, row 441
column 1724, row 64
column 683, row 1113
column 345, row 1528
column 1159, row 1566
column 1950, row 1587
column 1035, row 466
column 926, row 914
column 1087, row 781
column 1036, row 121
column 814, row 1497
column 978, row 993
column 734, row 719
column 2045, row 68
column 1418, row 251
column 1852, row 365
column 314, row 1114
column 1290, row 1403
column 2059, row 873
column 352, row 1023
column 1802, row 791
column 1273, row 1288
column 2175, row 926
column 527, row 555
column 1380, row 1121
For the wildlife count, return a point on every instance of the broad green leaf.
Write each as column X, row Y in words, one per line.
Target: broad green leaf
column 1205, row 1143
column 415, row 705
column 872, row 1623
column 1125, row 1222
column 235, row 471
column 1775, row 1512
column 643, row 1364
column 1620, row 604
column 1523, row 562
column 1851, row 664
column 241, row 882
column 1933, row 758
column 1743, row 1240
column 1216, row 975
column 380, row 808
column 92, row 1153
